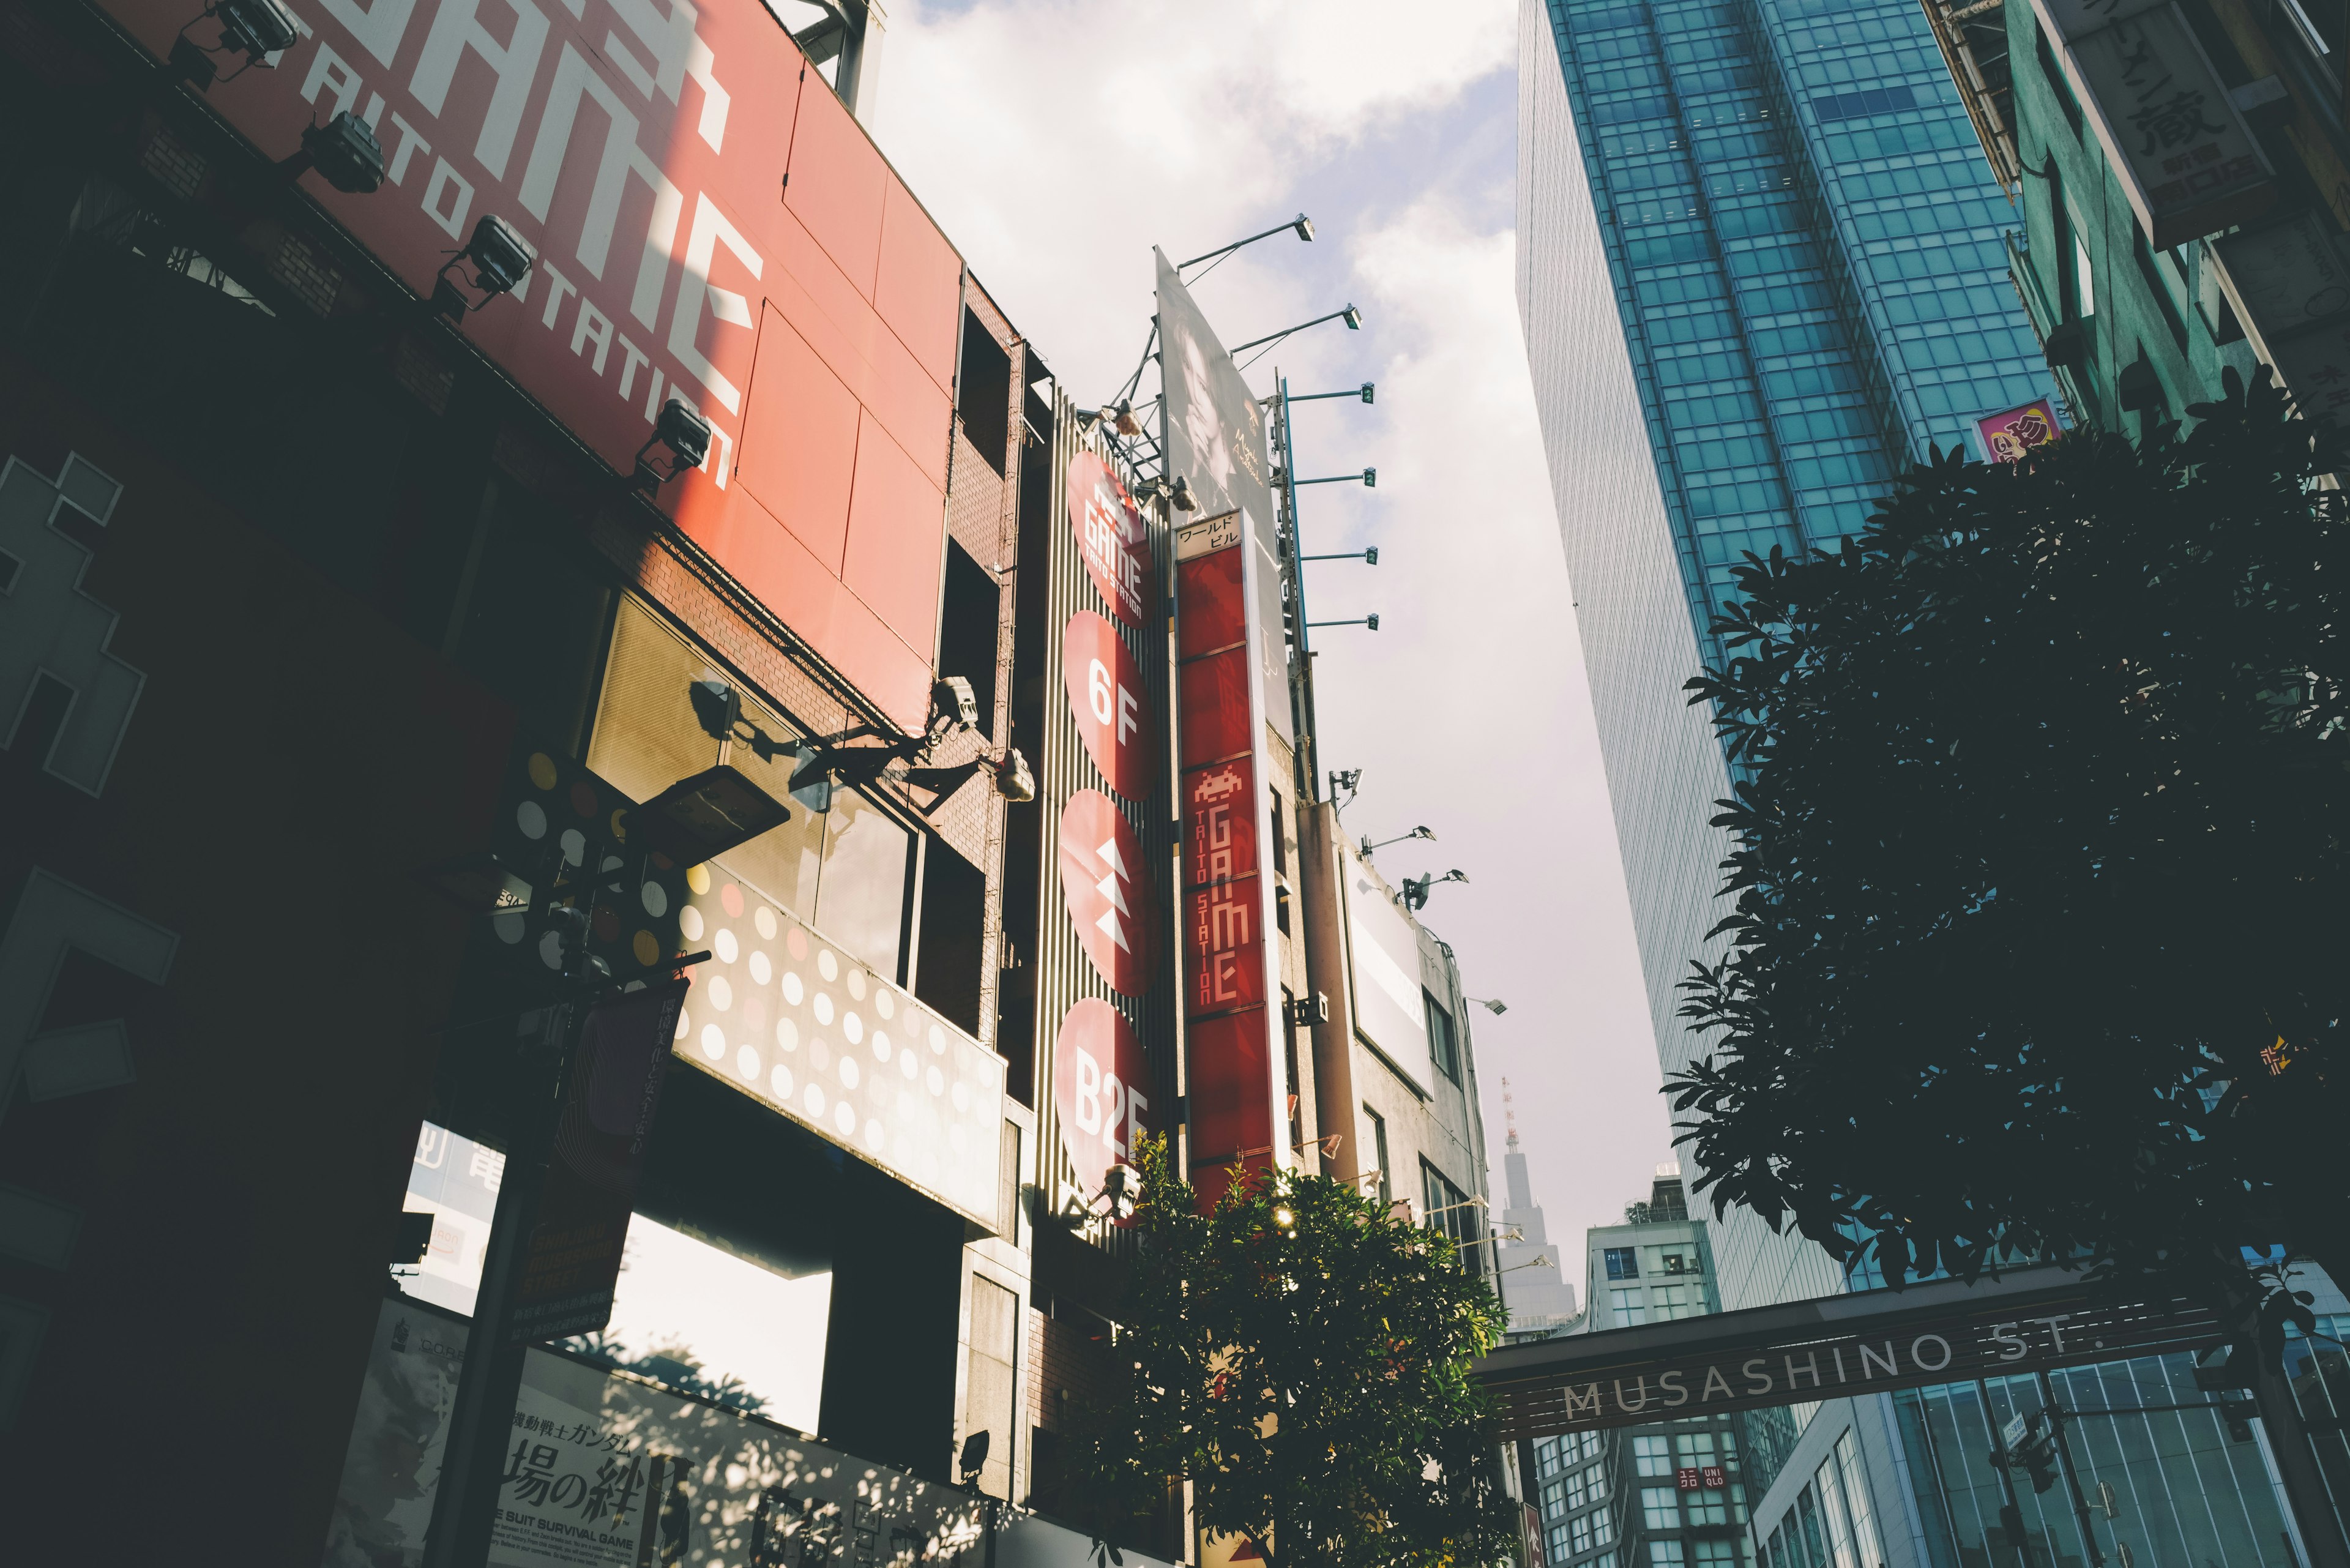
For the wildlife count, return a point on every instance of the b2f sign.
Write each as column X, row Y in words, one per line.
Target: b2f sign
column 1099, row 1078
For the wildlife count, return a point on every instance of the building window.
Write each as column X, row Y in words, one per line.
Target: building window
column 1581, row 1537
column 1548, row 1457
column 1665, row 1553
column 1856, row 1497
column 2057, row 84
column 1660, row 1508
column 1625, row 1307
column 1670, row 1302
column 1714, row 1555
column 1652, row 1456
column 1379, row 1152
column 1441, row 1044
column 1603, row 1528
column 1590, row 1445
column 1680, row 1263
column 1623, row 1262
column 1450, row 1212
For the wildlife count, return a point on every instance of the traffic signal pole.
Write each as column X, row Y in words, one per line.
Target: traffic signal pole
column 2011, row 1512
column 2056, row 1416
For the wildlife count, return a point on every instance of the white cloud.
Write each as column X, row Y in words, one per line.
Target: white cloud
column 1056, row 140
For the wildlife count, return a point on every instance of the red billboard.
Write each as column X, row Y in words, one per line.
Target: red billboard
column 710, row 223
column 1229, row 990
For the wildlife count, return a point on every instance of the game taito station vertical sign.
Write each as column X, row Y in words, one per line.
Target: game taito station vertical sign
column 1228, row 990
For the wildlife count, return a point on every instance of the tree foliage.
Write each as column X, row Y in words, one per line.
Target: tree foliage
column 1302, row 1355
column 2039, row 928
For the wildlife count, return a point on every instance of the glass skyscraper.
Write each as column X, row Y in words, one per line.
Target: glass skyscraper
column 1759, row 268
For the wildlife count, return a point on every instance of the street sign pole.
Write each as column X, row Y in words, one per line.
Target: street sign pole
column 2011, row 1512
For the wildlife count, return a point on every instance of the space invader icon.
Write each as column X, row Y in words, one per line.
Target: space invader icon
column 62, row 693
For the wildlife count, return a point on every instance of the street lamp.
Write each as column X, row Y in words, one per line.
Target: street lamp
column 1422, row 832
column 1493, row 1005
column 1302, row 225
column 1350, row 315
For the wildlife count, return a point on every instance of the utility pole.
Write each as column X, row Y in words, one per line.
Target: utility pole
column 2072, row 1476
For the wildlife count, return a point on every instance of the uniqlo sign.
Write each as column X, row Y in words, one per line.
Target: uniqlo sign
column 1228, row 987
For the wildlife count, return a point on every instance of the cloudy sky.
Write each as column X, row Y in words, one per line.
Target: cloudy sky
column 1057, row 140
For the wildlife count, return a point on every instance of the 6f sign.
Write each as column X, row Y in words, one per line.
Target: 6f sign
column 1105, row 687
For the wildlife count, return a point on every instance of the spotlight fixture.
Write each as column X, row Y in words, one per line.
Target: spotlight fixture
column 1304, row 227
column 1347, row 779
column 684, row 433
column 501, row 257
column 1183, row 499
column 1123, row 419
column 974, row 1457
column 1493, row 1005
column 1014, row 782
column 1370, row 848
column 953, row 705
column 344, row 152
column 1416, row 889
column 259, row 30
column 1354, row 320
column 1285, row 1218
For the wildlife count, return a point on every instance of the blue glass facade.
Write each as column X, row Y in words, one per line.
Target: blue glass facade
column 1804, row 247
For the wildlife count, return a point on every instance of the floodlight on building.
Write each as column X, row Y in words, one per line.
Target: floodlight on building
column 1123, row 420
column 258, row 30
column 1300, row 225
column 1180, row 496
column 686, row 436
column 1422, row 832
column 974, row 1457
column 1416, row 889
column 1372, row 621
column 1350, row 315
column 501, row 258
column 344, row 152
column 953, row 705
column 1369, row 558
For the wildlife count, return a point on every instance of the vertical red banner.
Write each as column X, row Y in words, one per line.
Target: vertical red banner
column 1233, row 1081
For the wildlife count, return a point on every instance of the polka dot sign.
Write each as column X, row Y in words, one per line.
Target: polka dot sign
column 787, row 1018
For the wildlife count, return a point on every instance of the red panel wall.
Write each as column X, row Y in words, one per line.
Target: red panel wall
column 648, row 169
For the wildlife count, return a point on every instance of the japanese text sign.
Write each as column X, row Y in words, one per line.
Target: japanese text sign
column 2008, row 436
column 2186, row 160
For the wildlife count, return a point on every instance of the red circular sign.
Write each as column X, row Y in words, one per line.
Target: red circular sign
column 1110, row 537
column 1101, row 1089
column 1105, row 686
column 1107, row 887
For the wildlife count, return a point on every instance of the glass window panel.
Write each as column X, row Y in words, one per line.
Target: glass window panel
column 1660, row 1508
column 1871, row 1551
column 1652, row 1456
column 861, row 899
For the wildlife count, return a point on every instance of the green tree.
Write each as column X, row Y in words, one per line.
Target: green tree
column 1302, row 1356
column 2038, row 938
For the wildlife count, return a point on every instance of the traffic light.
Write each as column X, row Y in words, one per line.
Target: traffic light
column 2032, row 1443
column 2239, row 1414
column 2010, row 1520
